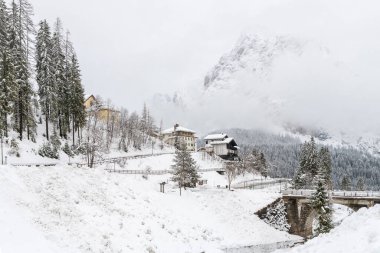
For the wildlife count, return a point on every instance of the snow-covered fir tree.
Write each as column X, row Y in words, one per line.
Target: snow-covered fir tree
column 76, row 101
column 21, row 32
column 360, row 184
column 320, row 203
column 276, row 216
column 325, row 167
column 8, row 91
column 58, row 66
column 47, row 89
column 314, row 166
column 184, row 169
column 263, row 165
column 345, row 184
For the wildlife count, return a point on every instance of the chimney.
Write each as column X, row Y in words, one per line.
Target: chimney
column 175, row 127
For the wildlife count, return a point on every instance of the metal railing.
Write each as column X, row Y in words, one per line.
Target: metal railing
column 33, row 164
column 154, row 172
column 123, row 158
column 333, row 194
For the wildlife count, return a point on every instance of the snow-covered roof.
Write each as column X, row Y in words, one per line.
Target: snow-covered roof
column 225, row 141
column 216, row 136
column 87, row 96
column 178, row 129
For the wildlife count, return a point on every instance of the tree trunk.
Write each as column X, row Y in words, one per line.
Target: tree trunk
column 73, row 132
column 27, row 124
column 20, row 114
column 5, row 125
column 47, row 123
column 60, row 123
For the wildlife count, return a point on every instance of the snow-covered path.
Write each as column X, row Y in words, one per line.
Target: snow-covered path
column 90, row 210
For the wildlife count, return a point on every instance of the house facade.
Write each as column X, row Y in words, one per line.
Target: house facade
column 179, row 135
column 222, row 146
column 105, row 114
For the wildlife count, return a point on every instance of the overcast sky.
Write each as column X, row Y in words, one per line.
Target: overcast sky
column 132, row 49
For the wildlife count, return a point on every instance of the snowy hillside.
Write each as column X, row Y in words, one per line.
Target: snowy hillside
column 68, row 209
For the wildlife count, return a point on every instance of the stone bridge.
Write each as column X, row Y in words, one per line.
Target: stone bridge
column 301, row 214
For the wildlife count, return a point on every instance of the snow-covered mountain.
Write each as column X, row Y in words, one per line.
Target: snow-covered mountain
column 273, row 83
column 253, row 54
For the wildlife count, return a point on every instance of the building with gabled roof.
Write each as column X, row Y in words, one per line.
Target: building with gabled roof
column 104, row 113
column 179, row 135
column 222, row 146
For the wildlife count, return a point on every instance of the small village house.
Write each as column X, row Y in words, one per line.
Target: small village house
column 222, row 146
column 179, row 135
column 104, row 113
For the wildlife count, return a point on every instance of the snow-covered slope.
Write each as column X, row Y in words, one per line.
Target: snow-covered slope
column 359, row 233
column 68, row 209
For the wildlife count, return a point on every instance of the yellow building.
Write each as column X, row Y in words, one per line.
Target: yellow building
column 90, row 100
column 104, row 113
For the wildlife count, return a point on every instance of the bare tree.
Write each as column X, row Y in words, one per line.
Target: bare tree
column 231, row 171
column 123, row 128
column 94, row 141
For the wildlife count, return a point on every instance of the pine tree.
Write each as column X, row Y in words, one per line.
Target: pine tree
column 77, row 110
column 184, row 169
column 325, row 167
column 7, row 84
column 263, row 165
column 299, row 180
column 21, row 30
column 306, row 176
column 3, row 25
column 62, row 87
column 45, row 74
column 345, row 184
column 320, row 203
column 360, row 184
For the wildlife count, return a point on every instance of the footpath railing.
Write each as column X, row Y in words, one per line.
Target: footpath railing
column 260, row 182
column 153, row 172
column 121, row 159
column 333, row 194
column 142, row 172
column 33, row 164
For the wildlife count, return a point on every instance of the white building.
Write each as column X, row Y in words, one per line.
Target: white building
column 221, row 145
column 179, row 135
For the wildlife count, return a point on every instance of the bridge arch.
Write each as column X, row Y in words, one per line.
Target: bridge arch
column 301, row 214
column 310, row 221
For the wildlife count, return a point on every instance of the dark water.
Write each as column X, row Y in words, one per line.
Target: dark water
column 264, row 248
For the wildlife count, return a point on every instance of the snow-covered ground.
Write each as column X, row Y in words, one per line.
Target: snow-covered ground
column 358, row 233
column 69, row 209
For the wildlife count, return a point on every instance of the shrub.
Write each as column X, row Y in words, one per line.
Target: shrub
column 55, row 141
column 14, row 148
column 67, row 150
column 47, row 150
